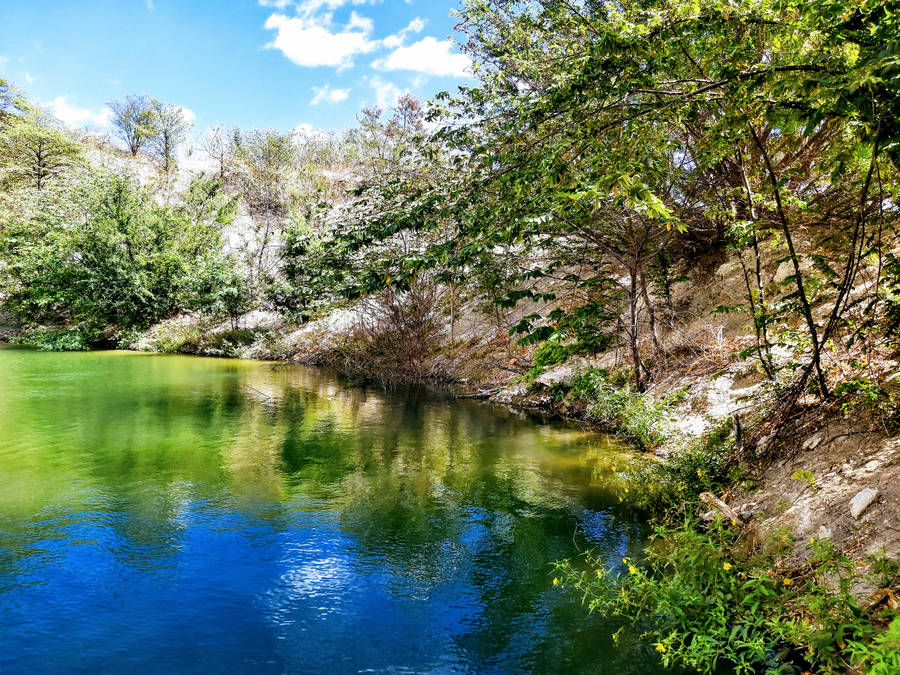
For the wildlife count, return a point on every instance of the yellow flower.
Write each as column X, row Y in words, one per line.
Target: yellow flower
column 726, row 566
column 660, row 647
column 599, row 574
column 625, row 561
column 626, row 491
column 632, row 569
column 555, row 581
column 812, row 540
column 699, row 473
column 623, row 592
column 788, row 581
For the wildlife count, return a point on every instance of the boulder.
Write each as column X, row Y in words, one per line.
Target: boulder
column 861, row 501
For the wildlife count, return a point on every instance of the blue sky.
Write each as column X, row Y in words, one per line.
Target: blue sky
column 266, row 63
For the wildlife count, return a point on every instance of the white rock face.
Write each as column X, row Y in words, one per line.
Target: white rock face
column 861, row 502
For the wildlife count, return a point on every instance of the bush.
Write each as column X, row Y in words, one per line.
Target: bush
column 393, row 339
column 707, row 607
column 626, row 412
column 55, row 340
column 704, row 466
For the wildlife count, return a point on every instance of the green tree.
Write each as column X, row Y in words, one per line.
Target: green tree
column 169, row 129
column 33, row 152
column 133, row 121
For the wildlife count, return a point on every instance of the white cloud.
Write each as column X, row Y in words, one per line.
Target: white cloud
column 328, row 94
column 189, row 115
column 309, row 41
column 429, row 56
column 3, row 60
column 417, row 25
column 386, row 93
column 73, row 116
column 150, row 5
column 29, row 78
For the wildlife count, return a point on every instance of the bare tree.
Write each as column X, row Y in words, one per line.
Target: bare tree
column 218, row 144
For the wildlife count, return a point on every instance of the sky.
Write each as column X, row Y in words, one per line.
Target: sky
column 284, row 64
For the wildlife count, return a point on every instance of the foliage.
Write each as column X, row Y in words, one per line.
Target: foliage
column 132, row 118
column 666, row 489
column 708, row 606
column 48, row 340
column 100, row 253
column 618, row 407
column 33, row 152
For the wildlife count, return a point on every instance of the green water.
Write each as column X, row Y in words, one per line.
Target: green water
column 182, row 514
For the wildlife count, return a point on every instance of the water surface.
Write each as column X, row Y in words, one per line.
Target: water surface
column 168, row 513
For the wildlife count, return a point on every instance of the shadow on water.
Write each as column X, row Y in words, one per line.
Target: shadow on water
column 168, row 512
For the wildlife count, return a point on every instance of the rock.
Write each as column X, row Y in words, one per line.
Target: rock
column 726, row 269
column 553, row 376
column 825, row 532
column 861, row 502
column 813, row 441
column 763, row 443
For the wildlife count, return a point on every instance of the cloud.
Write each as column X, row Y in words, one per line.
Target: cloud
column 73, row 116
column 309, row 41
column 386, row 93
column 328, row 94
column 417, row 25
column 3, row 60
column 189, row 115
column 429, row 56
column 29, row 78
column 150, row 5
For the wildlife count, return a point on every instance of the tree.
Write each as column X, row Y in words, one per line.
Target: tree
column 218, row 144
column 264, row 168
column 105, row 255
column 33, row 152
column 133, row 120
column 169, row 130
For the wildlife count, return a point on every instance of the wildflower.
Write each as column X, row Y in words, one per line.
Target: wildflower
column 625, row 561
column 632, row 569
column 812, row 540
column 699, row 473
column 626, row 491
column 660, row 647
column 623, row 592
column 599, row 574
column 788, row 581
column 726, row 566
column 555, row 581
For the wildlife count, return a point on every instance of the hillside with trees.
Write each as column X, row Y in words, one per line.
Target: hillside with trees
column 675, row 221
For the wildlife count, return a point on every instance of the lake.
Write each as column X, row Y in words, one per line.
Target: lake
column 170, row 513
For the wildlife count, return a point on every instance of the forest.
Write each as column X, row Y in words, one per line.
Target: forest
column 631, row 203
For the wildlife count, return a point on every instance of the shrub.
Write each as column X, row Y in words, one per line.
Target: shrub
column 47, row 340
column 393, row 338
column 626, row 412
column 707, row 607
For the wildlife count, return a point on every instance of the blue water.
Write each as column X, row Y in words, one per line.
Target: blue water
column 168, row 514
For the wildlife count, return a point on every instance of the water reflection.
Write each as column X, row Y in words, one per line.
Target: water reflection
column 198, row 514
